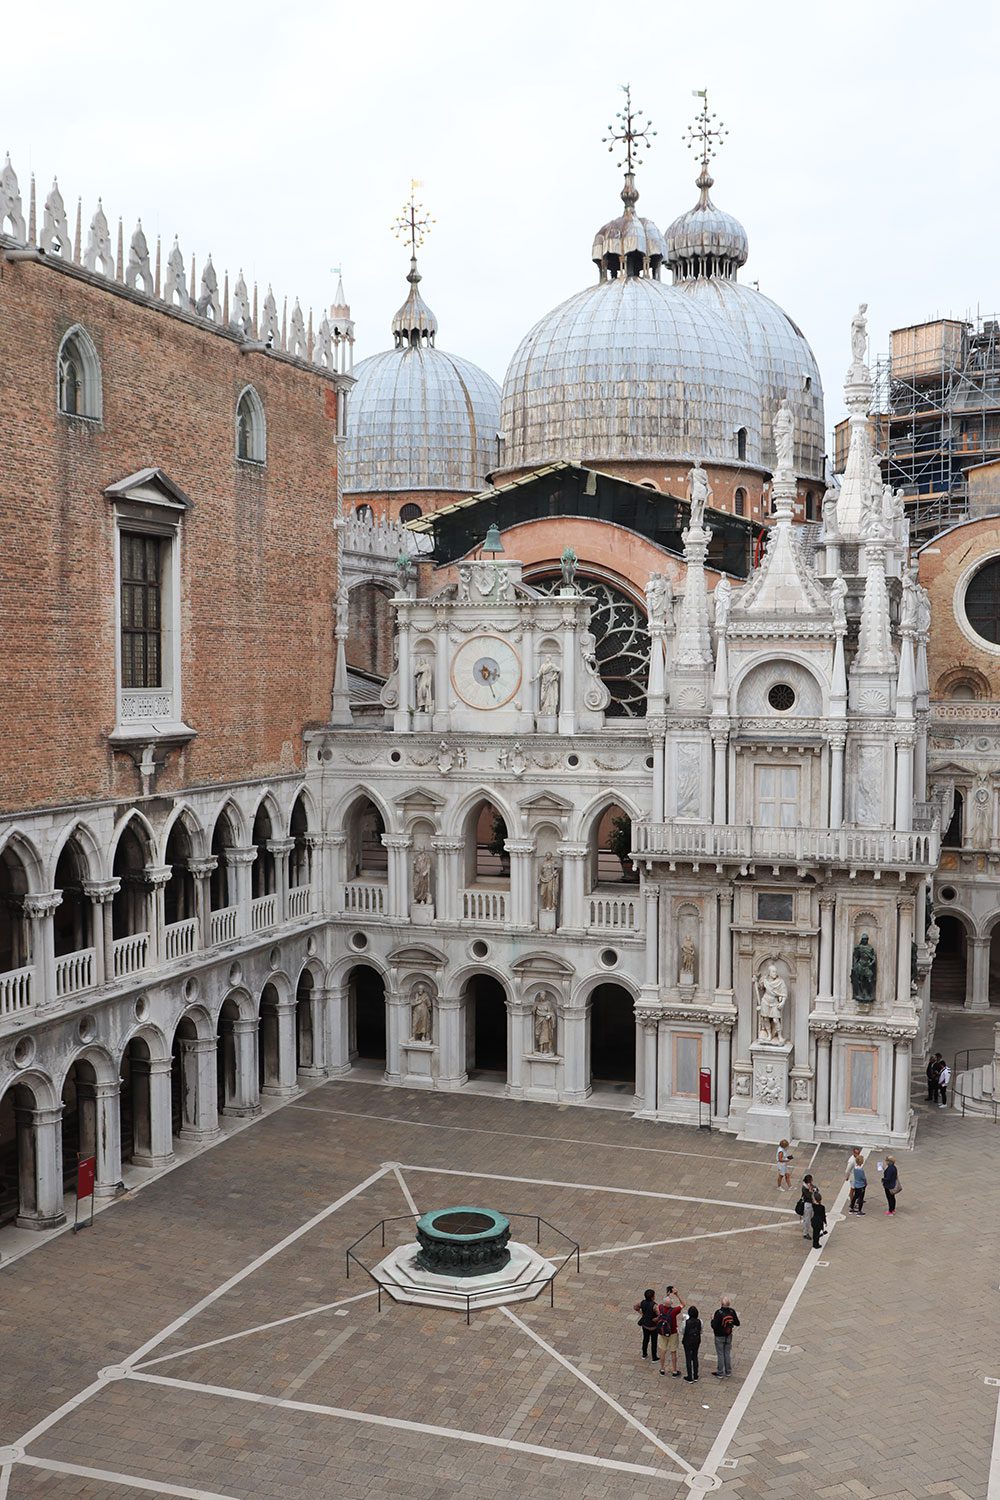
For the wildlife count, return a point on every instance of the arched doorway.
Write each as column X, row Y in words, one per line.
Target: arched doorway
column 366, row 998
column 31, row 1190
column 612, row 1040
column 79, row 1118
column 268, row 1042
column 237, row 1070
column 134, row 1102
column 949, row 970
column 486, row 1027
column 309, row 1049
column 299, row 861
column 15, row 939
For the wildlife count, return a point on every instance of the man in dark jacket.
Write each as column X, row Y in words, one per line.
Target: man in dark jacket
column 724, row 1320
column 933, row 1073
column 818, row 1217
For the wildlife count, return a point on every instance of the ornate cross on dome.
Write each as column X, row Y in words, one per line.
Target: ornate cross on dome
column 630, row 132
column 414, row 223
column 707, row 132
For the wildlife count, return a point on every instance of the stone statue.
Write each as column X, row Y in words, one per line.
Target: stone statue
column 547, row 678
column 545, row 1024
column 343, row 613
column 830, row 498
column 909, row 605
column 464, row 582
column 783, row 431
column 699, row 495
column 421, row 877
column 404, row 571
column 689, row 960
column 838, row 602
column 982, row 817
column 772, row 995
column 923, row 612
column 548, row 883
column 859, row 335
column 657, row 593
column 723, row 597
column 424, row 683
column 567, row 567
column 420, row 1014
column 892, row 505
column 864, row 971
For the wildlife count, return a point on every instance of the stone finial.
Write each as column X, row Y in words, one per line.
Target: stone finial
column 241, row 317
column 323, row 347
column 256, row 325
column 10, row 203
column 120, row 253
column 208, row 305
column 156, row 282
column 31, row 213
column 175, row 281
column 297, row 336
column 98, row 249
column 78, row 233
column 137, row 271
column 270, row 333
column 55, row 230
column 284, row 323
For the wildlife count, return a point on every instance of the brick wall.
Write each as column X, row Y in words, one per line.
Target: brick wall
column 257, row 552
column 952, row 656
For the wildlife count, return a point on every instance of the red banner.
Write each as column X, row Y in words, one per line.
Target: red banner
column 705, row 1086
column 85, row 1176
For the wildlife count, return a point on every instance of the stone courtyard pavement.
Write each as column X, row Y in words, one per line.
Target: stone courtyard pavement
column 203, row 1339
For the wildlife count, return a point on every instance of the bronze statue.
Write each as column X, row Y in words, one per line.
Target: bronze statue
column 864, row 971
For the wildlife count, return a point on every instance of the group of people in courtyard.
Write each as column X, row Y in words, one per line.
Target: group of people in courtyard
column 672, row 1325
column 938, row 1080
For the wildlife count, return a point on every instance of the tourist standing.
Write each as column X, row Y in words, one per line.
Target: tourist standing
column 670, row 1310
column 944, row 1079
column 858, row 1180
column 648, row 1318
column 818, row 1217
column 724, row 1320
column 691, row 1340
column 784, row 1164
column 854, row 1160
column 890, row 1183
column 933, row 1069
column 808, row 1188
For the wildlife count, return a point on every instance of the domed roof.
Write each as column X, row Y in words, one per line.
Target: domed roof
column 630, row 369
column 707, row 234
column 419, row 418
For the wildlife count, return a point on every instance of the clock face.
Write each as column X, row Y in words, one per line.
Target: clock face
column 486, row 672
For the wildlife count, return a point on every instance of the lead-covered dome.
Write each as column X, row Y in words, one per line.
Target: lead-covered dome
column 418, row 417
column 706, row 240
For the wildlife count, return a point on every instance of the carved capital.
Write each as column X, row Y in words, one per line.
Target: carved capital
column 101, row 891
column 157, row 875
column 396, row 841
column 280, row 846
column 236, row 856
column 41, row 903
column 199, row 868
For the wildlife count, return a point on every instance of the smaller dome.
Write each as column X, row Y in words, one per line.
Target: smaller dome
column 629, row 245
column 706, row 240
column 414, row 323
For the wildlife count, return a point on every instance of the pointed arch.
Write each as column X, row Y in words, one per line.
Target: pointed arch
column 78, row 376
column 251, row 427
column 19, row 850
column 136, row 823
column 90, row 846
column 184, row 813
column 303, row 796
column 483, row 793
column 235, row 816
column 337, row 820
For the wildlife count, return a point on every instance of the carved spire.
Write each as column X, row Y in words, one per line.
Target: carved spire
column 297, row 336
column 156, row 279
column 225, row 299
column 270, row 334
column 414, row 323
column 175, row 282
column 208, row 301
column 78, row 235
column 855, row 498
column 255, row 324
column 137, row 271
column 10, row 202
column 32, row 230
column 240, row 317
column 120, row 252
column 875, row 654
column 55, row 231
column 98, row 251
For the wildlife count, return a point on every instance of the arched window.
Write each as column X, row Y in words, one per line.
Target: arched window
column 810, row 506
column 251, row 435
column 982, row 602
column 79, row 376
column 741, row 443
column 365, row 513
column 740, row 502
column 410, row 512
column 954, row 834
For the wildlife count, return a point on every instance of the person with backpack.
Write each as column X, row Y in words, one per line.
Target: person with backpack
column 944, row 1079
column 648, row 1322
column 858, row 1180
column 669, row 1310
column 724, row 1320
column 805, row 1205
column 818, row 1217
column 933, row 1069
column 691, row 1339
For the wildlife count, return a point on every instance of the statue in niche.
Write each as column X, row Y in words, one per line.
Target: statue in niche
column 982, row 818
column 548, row 883
column 424, row 683
column 772, row 996
column 420, row 1014
column 864, row 971
column 545, row 1024
column 688, row 960
column 909, row 604
column 838, row 602
column 859, row 335
column 658, row 590
column 783, row 432
column 547, row 678
column 699, row 495
column 567, row 567
column 343, row 613
column 830, row 512
column 421, row 877
column 723, row 597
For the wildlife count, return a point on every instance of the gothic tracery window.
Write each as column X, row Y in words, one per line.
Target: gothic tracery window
column 622, row 649
column 251, row 439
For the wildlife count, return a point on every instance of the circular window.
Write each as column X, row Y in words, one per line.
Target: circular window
column 24, row 1051
column 572, row 760
column 235, row 973
column 87, row 1029
column 358, row 941
column 480, row 949
column 982, row 602
column 947, row 893
column 395, row 757
column 609, row 957
column 649, row 762
column 141, row 1008
column 781, row 697
column 274, row 957
column 190, row 989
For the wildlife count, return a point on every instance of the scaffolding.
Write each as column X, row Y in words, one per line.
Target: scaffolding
column 937, row 413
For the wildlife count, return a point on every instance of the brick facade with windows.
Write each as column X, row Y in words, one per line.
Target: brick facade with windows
column 257, row 552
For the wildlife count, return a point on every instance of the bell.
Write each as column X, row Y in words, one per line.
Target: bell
column 493, row 543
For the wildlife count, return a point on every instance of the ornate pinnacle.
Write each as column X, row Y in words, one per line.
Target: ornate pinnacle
column 630, row 131
column 705, row 135
column 414, row 223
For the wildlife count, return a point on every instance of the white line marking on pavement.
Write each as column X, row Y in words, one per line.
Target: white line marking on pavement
column 520, row 1135
column 320, row 1360
column 406, row 1192
column 993, row 1483
column 716, row 1234
column 591, row 1385
column 403, row 1425
column 244, row 1333
column 596, row 1187
column 155, row 1487
column 737, row 1411
column 814, row 1156
column 4, row 1481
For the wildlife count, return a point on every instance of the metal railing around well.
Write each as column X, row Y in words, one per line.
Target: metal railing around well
column 573, row 1253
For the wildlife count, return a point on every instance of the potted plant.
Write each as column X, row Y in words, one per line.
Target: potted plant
column 620, row 844
column 496, row 844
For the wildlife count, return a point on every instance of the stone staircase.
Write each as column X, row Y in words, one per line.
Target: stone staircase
column 948, row 980
column 976, row 1089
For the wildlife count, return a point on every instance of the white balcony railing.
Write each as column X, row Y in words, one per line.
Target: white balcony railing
column 876, row 847
column 129, row 954
column 180, row 938
column 75, row 972
column 614, row 913
column 299, row 902
column 223, row 925
column 15, row 990
column 366, row 896
column 263, row 912
column 485, row 906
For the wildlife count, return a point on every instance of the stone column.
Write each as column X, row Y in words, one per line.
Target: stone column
column 199, row 1089
column 287, row 1083
column 720, row 743
column 650, row 1025
column 316, row 1003
column 397, row 1029
column 245, row 1100
column 723, row 1087
column 38, row 907
column 156, row 878
column 827, row 907
column 573, row 898
column 442, row 684
column 904, row 780
column 334, row 876
column 401, row 718
column 157, row 1073
column 398, row 845
column 448, row 883
column 571, row 1042
column 452, row 1071
column 281, row 848
column 651, row 971
column 100, row 1132
column 837, row 743
column 201, row 872
column 516, row 1013
column 238, row 862
column 338, row 1010
column 522, row 911
column 977, row 973
column 39, row 1160
column 823, row 1053
column 904, row 949
column 657, row 810
column 726, row 939
column 101, row 893
column 901, row 1088
column 567, row 682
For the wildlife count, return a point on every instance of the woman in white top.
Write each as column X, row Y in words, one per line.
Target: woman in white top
column 784, row 1164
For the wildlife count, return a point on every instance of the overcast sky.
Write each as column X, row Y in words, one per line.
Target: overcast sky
column 861, row 157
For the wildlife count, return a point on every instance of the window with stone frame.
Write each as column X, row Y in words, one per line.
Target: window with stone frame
column 776, row 796
column 78, row 376
column 141, row 610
